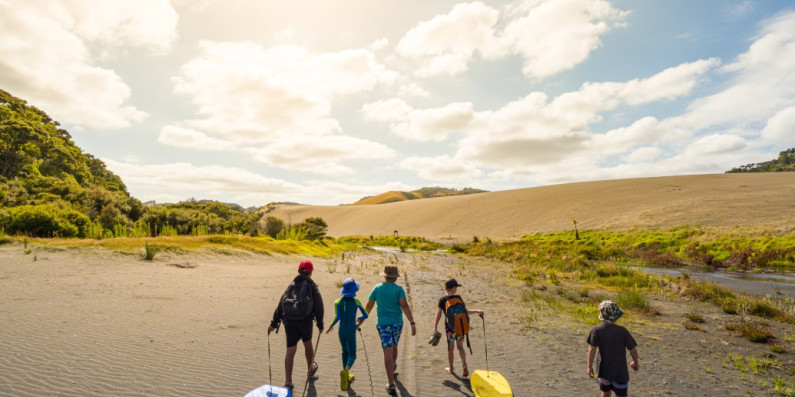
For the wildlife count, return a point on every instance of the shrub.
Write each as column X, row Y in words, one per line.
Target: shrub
column 695, row 317
column 273, row 226
column 150, row 250
column 751, row 330
column 42, row 221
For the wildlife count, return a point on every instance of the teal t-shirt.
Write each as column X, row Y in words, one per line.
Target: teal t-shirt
column 387, row 297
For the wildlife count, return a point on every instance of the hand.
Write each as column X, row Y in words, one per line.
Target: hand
column 359, row 322
column 590, row 372
column 320, row 329
column 270, row 329
column 481, row 314
column 413, row 329
column 330, row 328
column 634, row 365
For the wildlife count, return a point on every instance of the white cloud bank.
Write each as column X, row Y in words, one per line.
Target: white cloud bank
column 276, row 104
column 52, row 52
column 551, row 36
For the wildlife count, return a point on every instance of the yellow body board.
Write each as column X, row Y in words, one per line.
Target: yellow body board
column 489, row 384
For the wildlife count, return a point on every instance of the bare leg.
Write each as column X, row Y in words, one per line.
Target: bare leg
column 289, row 357
column 607, row 393
column 449, row 358
column 463, row 354
column 308, row 353
column 389, row 364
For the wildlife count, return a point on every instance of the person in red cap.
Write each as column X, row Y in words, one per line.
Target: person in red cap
column 298, row 306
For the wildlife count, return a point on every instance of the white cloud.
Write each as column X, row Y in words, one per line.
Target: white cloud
column 46, row 56
column 198, row 181
column 643, row 155
column 390, row 110
column 188, row 138
column 321, row 155
column 780, row 129
column 435, row 124
column 554, row 36
column 715, row 144
column 762, row 82
column 277, row 102
column 441, row 168
column 447, row 42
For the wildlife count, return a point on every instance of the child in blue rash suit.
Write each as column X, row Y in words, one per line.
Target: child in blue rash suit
column 345, row 313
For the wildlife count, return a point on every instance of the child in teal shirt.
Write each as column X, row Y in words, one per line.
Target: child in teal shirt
column 392, row 305
column 345, row 313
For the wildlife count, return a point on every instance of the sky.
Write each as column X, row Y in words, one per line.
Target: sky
column 326, row 102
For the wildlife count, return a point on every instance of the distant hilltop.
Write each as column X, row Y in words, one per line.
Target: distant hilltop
column 426, row 192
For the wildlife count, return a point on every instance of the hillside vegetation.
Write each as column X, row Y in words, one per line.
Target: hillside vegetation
column 425, row 192
column 784, row 163
column 50, row 188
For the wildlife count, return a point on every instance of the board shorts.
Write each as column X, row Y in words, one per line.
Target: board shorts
column 452, row 338
column 619, row 388
column 390, row 334
column 298, row 330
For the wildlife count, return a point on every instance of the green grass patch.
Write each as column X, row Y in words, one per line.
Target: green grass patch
column 402, row 242
column 215, row 243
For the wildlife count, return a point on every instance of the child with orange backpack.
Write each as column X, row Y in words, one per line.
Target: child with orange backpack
column 456, row 323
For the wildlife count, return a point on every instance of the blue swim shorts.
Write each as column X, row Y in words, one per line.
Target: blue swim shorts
column 390, row 334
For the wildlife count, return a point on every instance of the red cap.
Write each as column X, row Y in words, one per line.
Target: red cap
column 306, row 267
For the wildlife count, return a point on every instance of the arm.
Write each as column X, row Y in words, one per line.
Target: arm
column 407, row 310
column 591, row 356
column 368, row 308
column 277, row 318
column 634, row 364
column 436, row 320
column 336, row 315
column 359, row 306
column 318, row 309
column 475, row 311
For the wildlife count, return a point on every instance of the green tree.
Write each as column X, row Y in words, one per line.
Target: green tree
column 273, row 226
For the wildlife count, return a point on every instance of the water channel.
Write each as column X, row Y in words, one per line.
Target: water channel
column 776, row 284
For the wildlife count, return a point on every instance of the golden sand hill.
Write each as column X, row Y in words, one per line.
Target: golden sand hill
column 752, row 200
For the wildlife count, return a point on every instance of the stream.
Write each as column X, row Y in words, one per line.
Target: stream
column 776, row 284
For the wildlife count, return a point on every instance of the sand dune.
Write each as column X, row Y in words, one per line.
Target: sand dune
column 765, row 200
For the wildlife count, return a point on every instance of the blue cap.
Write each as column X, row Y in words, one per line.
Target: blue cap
column 349, row 288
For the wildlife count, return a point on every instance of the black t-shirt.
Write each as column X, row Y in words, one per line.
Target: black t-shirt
column 613, row 341
column 442, row 302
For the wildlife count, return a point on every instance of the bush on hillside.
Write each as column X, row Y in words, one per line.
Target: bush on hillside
column 43, row 221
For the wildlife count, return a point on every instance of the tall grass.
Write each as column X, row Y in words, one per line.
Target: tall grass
column 403, row 242
column 150, row 250
column 292, row 233
column 599, row 260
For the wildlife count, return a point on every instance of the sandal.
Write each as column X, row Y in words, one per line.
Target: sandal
column 312, row 370
column 391, row 390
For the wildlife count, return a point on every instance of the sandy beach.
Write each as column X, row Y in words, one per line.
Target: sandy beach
column 91, row 322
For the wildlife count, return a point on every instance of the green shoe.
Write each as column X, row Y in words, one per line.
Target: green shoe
column 344, row 380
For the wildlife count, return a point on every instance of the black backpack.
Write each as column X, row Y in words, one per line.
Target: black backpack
column 297, row 303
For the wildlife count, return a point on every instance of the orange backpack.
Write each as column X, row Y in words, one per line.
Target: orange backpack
column 457, row 318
